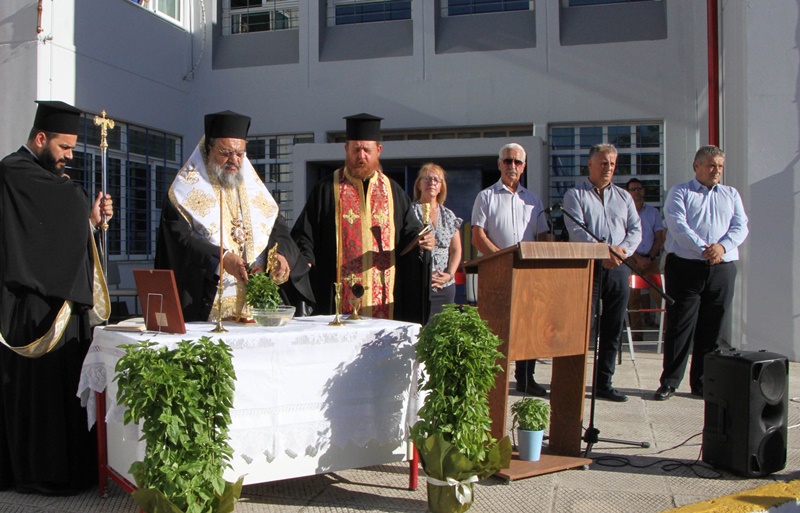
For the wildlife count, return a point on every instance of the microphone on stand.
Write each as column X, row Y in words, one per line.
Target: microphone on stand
column 547, row 211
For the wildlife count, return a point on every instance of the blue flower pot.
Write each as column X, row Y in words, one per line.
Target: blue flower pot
column 530, row 444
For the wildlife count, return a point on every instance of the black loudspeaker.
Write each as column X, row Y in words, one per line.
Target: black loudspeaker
column 746, row 411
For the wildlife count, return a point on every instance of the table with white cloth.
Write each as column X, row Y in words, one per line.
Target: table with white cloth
column 310, row 398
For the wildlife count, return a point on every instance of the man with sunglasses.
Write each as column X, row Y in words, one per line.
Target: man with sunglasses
column 189, row 236
column 503, row 215
column 645, row 258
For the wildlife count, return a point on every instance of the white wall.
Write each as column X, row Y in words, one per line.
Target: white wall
column 762, row 142
column 98, row 54
column 18, row 49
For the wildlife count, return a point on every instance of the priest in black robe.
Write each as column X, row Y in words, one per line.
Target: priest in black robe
column 218, row 185
column 48, row 273
column 358, row 229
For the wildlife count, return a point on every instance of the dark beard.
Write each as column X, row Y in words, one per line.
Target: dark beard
column 49, row 162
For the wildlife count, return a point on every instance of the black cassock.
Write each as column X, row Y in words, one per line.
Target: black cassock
column 315, row 234
column 45, row 258
column 195, row 262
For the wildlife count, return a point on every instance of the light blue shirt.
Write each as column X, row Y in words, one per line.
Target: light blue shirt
column 651, row 223
column 697, row 217
column 509, row 217
column 613, row 218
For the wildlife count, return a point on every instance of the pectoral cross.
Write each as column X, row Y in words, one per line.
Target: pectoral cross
column 351, row 279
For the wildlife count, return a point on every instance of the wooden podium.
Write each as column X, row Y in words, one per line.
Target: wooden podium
column 537, row 297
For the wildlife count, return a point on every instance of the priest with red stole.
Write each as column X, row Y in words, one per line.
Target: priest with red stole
column 52, row 291
column 358, row 229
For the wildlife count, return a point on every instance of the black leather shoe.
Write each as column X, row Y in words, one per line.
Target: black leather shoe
column 533, row 388
column 612, row 394
column 697, row 391
column 663, row 393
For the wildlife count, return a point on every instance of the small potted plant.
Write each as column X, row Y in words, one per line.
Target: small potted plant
column 264, row 298
column 453, row 436
column 530, row 417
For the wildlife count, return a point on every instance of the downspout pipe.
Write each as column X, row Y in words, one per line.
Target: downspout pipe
column 39, row 18
column 712, row 9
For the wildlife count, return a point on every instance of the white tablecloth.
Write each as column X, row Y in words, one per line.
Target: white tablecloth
column 300, row 388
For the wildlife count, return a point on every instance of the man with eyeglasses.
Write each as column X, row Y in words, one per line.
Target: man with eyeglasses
column 645, row 258
column 189, row 235
column 608, row 212
column 503, row 215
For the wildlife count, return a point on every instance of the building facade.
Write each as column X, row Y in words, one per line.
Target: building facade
column 453, row 79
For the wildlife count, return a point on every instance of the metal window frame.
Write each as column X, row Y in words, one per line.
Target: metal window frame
column 331, row 6
column 579, row 153
column 288, row 8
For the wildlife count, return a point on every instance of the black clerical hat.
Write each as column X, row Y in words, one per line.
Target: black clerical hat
column 363, row 127
column 227, row 124
column 58, row 117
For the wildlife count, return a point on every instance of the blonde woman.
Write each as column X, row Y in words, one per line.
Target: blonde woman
column 431, row 188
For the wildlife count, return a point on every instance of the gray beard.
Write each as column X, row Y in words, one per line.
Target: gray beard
column 227, row 181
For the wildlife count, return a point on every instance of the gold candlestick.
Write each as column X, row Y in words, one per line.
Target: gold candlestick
column 219, row 328
column 355, row 302
column 338, row 299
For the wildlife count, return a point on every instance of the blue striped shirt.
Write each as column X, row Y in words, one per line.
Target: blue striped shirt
column 697, row 217
column 613, row 218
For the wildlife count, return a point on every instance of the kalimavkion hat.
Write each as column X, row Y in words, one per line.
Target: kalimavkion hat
column 58, row 117
column 226, row 124
column 363, row 127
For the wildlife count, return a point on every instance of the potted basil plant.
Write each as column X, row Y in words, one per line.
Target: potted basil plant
column 531, row 417
column 453, row 437
column 182, row 397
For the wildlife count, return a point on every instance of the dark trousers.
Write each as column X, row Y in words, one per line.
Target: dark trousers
column 613, row 287
column 703, row 294
column 441, row 297
column 523, row 371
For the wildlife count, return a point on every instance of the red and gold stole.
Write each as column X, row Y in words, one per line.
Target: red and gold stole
column 365, row 235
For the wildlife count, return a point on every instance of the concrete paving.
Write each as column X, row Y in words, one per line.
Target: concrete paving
column 621, row 479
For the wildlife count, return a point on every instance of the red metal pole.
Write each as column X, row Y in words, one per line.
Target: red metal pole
column 104, row 471
column 102, row 445
column 39, row 18
column 713, row 71
column 413, row 474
